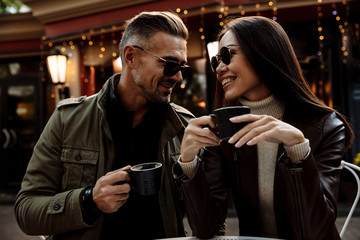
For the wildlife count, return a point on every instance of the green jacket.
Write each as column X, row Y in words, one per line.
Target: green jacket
column 74, row 150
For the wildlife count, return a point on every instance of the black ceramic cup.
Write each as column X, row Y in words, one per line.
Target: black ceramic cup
column 222, row 116
column 146, row 178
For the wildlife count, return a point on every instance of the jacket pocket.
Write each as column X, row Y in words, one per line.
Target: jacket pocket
column 79, row 166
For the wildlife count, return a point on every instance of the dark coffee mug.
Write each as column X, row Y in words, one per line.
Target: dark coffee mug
column 146, row 178
column 225, row 126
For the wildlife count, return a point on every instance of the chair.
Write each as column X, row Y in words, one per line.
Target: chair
column 350, row 168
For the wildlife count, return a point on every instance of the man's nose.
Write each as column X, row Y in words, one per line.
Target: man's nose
column 178, row 76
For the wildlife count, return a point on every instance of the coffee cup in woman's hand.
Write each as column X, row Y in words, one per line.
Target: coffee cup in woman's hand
column 227, row 128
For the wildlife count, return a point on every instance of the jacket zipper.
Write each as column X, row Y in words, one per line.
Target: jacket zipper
column 294, row 171
column 193, row 216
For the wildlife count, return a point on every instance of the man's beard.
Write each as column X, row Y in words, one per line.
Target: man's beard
column 157, row 97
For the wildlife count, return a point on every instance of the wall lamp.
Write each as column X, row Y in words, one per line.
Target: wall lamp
column 56, row 63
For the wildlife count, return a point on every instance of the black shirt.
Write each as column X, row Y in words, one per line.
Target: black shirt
column 140, row 217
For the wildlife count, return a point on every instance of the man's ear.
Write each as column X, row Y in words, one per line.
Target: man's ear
column 129, row 56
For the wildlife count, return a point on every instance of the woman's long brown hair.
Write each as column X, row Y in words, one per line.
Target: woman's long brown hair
column 268, row 50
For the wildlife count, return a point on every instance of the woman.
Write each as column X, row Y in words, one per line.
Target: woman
column 283, row 167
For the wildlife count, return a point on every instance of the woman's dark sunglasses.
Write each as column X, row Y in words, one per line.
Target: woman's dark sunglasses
column 171, row 67
column 224, row 56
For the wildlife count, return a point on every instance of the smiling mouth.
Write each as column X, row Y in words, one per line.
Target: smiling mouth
column 168, row 85
column 226, row 81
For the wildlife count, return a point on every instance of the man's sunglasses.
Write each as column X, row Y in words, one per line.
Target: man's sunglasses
column 171, row 67
column 224, row 56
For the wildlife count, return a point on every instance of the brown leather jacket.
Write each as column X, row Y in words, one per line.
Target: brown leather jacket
column 305, row 194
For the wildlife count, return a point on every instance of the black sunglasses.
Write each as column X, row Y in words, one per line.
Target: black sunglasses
column 224, row 56
column 171, row 67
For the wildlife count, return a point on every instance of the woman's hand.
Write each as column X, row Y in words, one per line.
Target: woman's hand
column 196, row 136
column 265, row 128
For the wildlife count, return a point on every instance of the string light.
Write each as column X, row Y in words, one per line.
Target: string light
column 202, row 31
column 322, row 87
column 274, row 8
column 321, row 37
column 242, row 11
column 343, row 30
column 101, row 45
column 257, row 7
column 222, row 13
column 114, row 45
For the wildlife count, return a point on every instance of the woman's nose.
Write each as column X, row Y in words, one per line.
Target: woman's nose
column 221, row 67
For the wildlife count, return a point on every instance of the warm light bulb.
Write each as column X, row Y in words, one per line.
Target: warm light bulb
column 202, row 104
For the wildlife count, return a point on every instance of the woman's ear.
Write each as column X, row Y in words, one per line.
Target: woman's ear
column 129, row 56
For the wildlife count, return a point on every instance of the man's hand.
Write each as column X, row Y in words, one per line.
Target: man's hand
column 108, row 195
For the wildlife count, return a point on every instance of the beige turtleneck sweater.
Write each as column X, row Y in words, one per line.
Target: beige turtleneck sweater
column 267, row 154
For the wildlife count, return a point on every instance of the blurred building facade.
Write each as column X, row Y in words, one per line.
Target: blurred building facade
column 324, row 33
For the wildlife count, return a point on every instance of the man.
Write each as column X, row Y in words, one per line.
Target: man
column 75, row 186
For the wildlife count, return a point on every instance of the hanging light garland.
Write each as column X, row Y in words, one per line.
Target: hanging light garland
column 241, row 9
column 319, row 86
column 272, row 4
column 257, row 7
column 114, row 45
column 343, row 30
column 202, row 31
column 320, row 35
column 221, row 14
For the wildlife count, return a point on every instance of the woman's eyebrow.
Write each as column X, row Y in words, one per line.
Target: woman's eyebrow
column 232, row 45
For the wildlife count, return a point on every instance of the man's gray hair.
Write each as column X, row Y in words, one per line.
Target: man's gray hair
column 142, row 27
